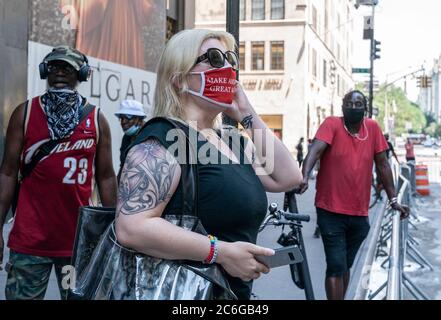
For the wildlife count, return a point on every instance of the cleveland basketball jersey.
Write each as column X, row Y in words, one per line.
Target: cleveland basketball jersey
column 49, row 199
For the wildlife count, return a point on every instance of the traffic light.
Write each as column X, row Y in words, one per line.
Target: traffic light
column 428, row 82
column 332, row 72
column 376, row 50
column 424, row 82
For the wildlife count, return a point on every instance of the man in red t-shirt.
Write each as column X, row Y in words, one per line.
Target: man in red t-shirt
column 347, row 148
column 53, row 190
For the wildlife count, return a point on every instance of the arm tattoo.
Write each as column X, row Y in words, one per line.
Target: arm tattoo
column 247, row 122
column 146, row 178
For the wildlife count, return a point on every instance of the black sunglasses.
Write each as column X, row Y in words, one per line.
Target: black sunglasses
column 217, row 58
column 65, row 68
column 126, row 116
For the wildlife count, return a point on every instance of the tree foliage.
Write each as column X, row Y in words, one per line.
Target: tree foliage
column 429, row 118
column 404, row 111
column 433, row 129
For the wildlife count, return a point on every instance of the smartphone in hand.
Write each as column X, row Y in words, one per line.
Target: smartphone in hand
column 283, row 256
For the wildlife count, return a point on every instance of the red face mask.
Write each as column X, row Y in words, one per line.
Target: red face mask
column 217, row 86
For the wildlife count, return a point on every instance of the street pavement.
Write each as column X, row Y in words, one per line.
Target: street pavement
column 277, row 285
column 428, row 237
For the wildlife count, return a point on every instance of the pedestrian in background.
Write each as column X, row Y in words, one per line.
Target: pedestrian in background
column 132, row 116
column 391, row 151
column 347, row 148
column 53, row 190
column 299, row 149
column 309, row 144
column 410, row 153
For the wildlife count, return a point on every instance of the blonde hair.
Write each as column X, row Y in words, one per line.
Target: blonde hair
column 175, row 64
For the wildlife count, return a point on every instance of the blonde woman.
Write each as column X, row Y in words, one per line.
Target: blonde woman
column 196, row 84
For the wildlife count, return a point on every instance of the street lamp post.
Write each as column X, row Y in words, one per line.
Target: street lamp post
column 371, row 80
column 233, row 11
column 386, row 108
column 373, row 50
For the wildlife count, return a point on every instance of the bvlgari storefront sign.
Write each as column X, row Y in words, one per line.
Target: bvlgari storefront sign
column 270, row 84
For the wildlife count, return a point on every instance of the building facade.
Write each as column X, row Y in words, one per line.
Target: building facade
column 295, row 59
column 429, row 97
column 13, row 57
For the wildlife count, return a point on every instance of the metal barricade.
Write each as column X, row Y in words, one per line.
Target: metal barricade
column 389, row 230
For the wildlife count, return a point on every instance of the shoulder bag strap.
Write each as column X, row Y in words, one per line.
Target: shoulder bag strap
column 189, row 173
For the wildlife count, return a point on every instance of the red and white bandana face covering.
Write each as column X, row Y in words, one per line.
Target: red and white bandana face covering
column 217, row 86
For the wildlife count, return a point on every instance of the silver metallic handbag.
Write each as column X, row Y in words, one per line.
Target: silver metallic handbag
column 105, row 270
column 118, row 273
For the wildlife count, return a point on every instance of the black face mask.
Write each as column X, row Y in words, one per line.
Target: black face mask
column 353, row 115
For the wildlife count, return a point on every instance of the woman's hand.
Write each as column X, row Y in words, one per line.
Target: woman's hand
column 241, row 106
column 237, row 258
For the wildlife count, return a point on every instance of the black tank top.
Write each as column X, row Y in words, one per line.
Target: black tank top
column 232, row 201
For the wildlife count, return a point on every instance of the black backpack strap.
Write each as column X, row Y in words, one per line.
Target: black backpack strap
column 47, row 147
column 42, row 152
column 88, row 108
column 26, row 110
column 190, row 174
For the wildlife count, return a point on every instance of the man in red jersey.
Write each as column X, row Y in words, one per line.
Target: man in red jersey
column 53, row 190
column 347, row 148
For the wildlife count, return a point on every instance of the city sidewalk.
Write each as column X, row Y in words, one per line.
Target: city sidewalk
column 428, row 235
column 277, row 285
